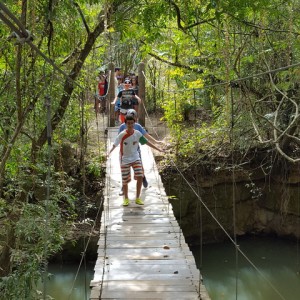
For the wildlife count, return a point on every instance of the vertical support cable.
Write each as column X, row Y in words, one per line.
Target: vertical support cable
column 82, row 160
column 49, row 132
column 195, row 107
column 233, row 196
column 83, row 142
column 175, row 104
column 199, row 213
column 297, row 235
column 180, row 210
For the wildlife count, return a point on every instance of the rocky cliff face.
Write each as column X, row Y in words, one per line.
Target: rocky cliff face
column 263, row 204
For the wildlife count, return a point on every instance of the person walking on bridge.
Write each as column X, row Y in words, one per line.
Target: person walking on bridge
column 128, row 99
column 129, row 140
column 137, row 126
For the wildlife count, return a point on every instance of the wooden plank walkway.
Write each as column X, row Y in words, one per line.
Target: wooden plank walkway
column 142, row 253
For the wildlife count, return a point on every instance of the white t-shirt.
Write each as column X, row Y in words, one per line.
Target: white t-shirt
column 116, row 86
column 129, row 144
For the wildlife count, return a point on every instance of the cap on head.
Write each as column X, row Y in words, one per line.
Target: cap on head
column 117, row 69
column 131, row 112
column 127, row 81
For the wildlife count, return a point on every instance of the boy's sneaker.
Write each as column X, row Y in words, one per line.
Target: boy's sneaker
column 145, row 182
column 126, row 202
column 139, row 201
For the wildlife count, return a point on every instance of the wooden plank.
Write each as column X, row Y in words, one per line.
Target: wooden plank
column 136, row 215
column 143, row 220
column 136, row 211
column 161, row 284
column 135, row 243
column 147, row 269
column 155, row 272
column 119, row 236
column 142, row 276
column 160, row 262
column 118, row 204
column 155, row 267
column 150, row 295
column 139, row 242
column 142, row 251
column 142, row 229
column 135, row 286
column 129, row 226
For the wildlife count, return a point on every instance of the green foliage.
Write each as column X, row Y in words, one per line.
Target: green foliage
column 39, row 232
column 95, row 167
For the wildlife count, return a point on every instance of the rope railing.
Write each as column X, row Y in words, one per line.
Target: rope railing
column 226, row 83
column 46, row 230
column 24, row 36
column 85, row 249
column 237, row 247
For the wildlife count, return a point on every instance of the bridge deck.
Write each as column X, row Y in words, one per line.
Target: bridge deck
column 142, row 253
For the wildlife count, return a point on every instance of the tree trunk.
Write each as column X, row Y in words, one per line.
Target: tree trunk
column 68, row 88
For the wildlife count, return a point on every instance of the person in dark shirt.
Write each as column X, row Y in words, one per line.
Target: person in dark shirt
column 128, row 99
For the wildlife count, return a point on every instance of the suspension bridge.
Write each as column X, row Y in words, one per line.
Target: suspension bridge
column 142, row 253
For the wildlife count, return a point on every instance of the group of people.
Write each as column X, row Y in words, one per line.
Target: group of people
column 126, row 94
column 131, row 134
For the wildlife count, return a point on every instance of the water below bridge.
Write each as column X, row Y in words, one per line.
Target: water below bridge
column 276, row 258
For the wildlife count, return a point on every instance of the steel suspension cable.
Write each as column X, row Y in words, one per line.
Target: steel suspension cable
column 85, row 249
column 237, row 80
column 49, row 143
column 226, row 233
column 233, row 196
column 220, row 225
column 83, row 130
column 297, row 246
column 47, row 104
column 86, row 244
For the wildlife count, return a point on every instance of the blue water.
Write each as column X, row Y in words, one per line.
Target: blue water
column 276, row 259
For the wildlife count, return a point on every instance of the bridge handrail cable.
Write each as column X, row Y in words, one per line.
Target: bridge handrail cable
column 216, row 220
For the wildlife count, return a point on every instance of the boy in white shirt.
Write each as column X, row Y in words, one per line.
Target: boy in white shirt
column 129, row 140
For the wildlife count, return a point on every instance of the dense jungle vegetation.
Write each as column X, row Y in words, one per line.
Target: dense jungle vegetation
column 225, row 75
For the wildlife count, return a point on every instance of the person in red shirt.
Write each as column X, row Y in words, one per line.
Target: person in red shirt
column 100, row 105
